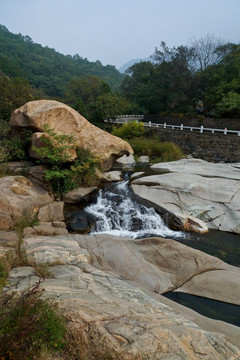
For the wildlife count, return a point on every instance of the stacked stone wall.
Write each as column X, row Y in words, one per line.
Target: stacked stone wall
column 206, row 146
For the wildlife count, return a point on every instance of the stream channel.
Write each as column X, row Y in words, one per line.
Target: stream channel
column 114, row 210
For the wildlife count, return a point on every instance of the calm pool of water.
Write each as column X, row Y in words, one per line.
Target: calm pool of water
column 225, row 246
column 207, row 307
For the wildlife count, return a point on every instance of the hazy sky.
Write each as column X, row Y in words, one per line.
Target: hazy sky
column 116, row 31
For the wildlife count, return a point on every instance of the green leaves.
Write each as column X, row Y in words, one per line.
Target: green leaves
column 65, row 173
column 129, row 130
column 57, row 148
column 229, row 105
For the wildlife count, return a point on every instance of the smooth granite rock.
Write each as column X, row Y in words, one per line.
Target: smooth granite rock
column 65, row 120
column 113, row 314
column 212, row 196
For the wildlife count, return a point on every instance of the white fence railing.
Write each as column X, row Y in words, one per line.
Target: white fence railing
column 124, row 119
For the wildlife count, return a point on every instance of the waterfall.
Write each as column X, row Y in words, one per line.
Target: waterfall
column 117, row 213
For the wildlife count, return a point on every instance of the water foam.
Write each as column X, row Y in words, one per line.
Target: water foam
column 116, row 213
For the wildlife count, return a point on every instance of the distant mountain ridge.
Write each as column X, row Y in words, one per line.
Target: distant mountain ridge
column 130, row 63
column 46, row 68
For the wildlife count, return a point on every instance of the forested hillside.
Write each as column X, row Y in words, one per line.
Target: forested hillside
column 45, row 68
column 203, row 77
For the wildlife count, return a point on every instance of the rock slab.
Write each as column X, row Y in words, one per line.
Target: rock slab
column 112, row 314
column 210, row 193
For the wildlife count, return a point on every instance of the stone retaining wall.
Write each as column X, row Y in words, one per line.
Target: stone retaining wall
column 206, row 146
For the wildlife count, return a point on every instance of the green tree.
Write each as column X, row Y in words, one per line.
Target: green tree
column 14, row 93
column 93, row 98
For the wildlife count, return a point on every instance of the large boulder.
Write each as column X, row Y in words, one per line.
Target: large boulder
column 19, row 198
column 210, row 192
column 65, row 120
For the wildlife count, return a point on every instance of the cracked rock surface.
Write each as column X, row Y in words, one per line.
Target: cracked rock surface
column 210, row 192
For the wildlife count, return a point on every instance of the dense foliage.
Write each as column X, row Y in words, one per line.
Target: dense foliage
column 178, row 79
column 45, row 68
column 156, row 150
column 93, row 98
column 129, row 130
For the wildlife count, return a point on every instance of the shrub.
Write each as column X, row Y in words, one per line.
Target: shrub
column 57, row 148
column 25, row 221
column 229, row 105
column 156, row 150
column 65, row 174
column 29, row 325
column 16, row 146
column 4, row 270
column 129, row 130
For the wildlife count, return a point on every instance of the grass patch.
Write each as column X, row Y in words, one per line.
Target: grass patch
column 29, row 325
column 21, row 256
column 156, row 150
column 42, row 271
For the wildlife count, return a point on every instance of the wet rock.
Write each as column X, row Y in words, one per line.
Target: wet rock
column 75, row 196
column 80, row 222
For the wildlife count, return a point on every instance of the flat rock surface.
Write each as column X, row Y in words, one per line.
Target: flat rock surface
column 201, row 167
column 214, row 199
column 115, row 314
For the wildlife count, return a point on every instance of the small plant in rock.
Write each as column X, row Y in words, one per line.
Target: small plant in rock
column 65, row 173
column 43, row 271
column 29, row 325
column 56, row 149
column 25, row 221
column 4, row 270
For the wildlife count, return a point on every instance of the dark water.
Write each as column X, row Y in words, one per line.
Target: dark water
column 225, row 246
column 207, row 307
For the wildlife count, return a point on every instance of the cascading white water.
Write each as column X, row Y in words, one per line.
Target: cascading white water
column 118, row 214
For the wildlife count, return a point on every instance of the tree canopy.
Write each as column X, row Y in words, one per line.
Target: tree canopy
column 178, row 77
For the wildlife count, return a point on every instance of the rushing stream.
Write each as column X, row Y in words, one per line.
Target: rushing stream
column 115, row 211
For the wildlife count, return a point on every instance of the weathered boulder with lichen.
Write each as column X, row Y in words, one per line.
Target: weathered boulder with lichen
column 64, row 120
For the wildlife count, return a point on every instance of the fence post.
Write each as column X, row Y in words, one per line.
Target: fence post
column 164, row 125
column 191, row 129
column 212, row 131
column 238, row 133
column 181, row 126
column 225, row 131
column 201, row 129
column 150, row 124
